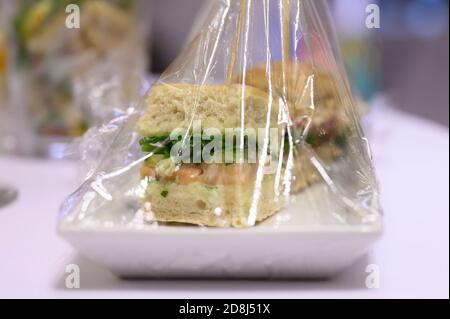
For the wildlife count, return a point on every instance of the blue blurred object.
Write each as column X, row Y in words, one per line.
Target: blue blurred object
column 414, row 18
column 401, row 20
column 413, row 42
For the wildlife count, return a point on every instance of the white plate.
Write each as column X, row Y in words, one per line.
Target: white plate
column 293, row 243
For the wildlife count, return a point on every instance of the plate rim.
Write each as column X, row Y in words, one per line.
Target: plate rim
column 374, row 228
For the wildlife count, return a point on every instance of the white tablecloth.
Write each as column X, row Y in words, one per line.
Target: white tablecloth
column 411, row 158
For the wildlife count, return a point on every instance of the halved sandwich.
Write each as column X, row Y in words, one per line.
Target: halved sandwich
column 214, row 191
column 315, row 108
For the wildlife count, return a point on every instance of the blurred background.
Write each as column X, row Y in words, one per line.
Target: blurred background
column 407, row 59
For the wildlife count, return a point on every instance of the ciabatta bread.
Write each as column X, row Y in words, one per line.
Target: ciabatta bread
column 172, row 106
column 218, row 205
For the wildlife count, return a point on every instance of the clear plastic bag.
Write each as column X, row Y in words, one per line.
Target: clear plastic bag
column 253, row 124
column 61, row 72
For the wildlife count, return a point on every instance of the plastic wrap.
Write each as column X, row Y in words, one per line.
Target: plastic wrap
column 253, row 124
column 67, row 69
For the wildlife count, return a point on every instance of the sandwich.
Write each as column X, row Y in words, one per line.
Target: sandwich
column 224, row 194
column 227, row 189
column 315, row 109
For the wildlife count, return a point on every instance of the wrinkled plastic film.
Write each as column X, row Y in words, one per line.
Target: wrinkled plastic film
column 270, row 73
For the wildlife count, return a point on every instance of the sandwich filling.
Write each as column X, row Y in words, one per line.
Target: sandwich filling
column 162, row 167
column 222, row 166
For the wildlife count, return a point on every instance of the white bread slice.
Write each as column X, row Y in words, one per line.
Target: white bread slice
column 218, row 206
column 171, row 106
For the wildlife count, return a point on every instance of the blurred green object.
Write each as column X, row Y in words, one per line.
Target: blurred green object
column 33, row 16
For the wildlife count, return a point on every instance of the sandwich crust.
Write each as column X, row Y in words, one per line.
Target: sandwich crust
column 172, row 106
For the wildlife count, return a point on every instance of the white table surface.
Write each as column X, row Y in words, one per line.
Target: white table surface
column 411, row 158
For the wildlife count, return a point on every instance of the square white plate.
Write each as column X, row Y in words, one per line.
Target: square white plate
column 295, row 243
